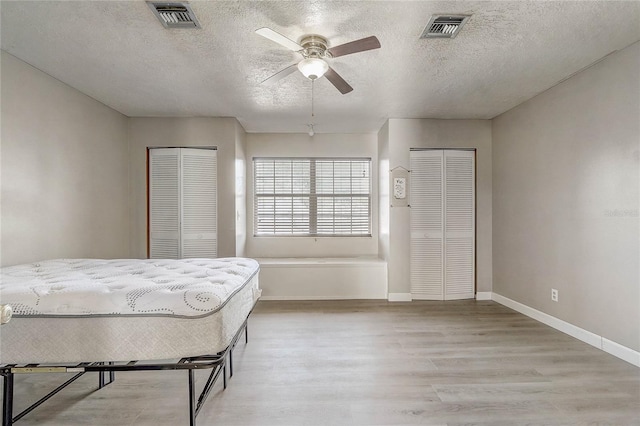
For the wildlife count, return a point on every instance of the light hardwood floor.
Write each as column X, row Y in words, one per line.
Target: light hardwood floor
column 373, row 363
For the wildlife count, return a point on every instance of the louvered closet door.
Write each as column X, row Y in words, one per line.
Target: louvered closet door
column 182, row 203
column 442, row 225
column 164, row 203
column 459, row 207
column 199, row 203
column 427, row 224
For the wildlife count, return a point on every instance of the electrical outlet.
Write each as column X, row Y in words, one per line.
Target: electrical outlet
column 554, row 294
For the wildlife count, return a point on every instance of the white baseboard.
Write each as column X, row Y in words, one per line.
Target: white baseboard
column 622, row 352
column 483, row 295
column 615, row 349
column 558, row 324
column 399, row 297
column 323, row 297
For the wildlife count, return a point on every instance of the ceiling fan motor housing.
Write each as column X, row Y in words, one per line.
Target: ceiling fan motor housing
column 315, row 46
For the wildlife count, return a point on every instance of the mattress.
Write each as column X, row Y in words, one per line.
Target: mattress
column 93, row 310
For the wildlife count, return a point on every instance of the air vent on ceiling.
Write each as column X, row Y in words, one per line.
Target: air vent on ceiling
column 174, row 15
column 444, row 26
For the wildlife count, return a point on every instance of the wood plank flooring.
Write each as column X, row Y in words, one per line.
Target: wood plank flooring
column 372, row 363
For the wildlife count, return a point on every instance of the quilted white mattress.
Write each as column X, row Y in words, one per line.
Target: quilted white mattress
column 74, row 310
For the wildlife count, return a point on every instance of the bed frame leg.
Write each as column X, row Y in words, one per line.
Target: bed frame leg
column 112, row 374
column 224, row 373
column 192, row 399
column 102, row 375
column 233, row 345
column 7, row 399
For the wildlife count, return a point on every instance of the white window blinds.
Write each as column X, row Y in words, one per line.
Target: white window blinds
column 312, row 196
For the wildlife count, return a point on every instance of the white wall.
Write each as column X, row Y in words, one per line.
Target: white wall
column 566, row 197
column 64, row 174
column 184, row 132
column 404, row 134
column 320, row 145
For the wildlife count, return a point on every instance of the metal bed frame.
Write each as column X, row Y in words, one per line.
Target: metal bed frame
column 217, row 362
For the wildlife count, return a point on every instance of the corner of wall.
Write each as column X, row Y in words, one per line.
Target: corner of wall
column 383, row 192
column 241, row 189
column 130, row 195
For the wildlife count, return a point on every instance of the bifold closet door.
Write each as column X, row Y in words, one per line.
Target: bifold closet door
column 164, row 203
column 199, row 203
column 459, row 224
column 442, row 224
column 426, row 224
column 182, row 203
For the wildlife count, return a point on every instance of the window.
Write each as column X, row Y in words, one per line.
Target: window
column 312, row 196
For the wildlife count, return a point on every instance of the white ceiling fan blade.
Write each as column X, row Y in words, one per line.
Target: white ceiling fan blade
column 280, row 74
column 278, row 38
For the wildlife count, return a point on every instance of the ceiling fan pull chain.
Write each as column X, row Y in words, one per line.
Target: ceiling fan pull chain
column 311, row 130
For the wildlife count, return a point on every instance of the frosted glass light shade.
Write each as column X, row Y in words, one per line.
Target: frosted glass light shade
column 313, row 68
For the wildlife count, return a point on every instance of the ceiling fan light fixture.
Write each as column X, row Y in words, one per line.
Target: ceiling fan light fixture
column 313, row 68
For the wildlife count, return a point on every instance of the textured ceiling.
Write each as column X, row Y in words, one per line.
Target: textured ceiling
column 118, row 53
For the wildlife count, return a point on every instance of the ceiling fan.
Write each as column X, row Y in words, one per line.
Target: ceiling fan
column 314, row 50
